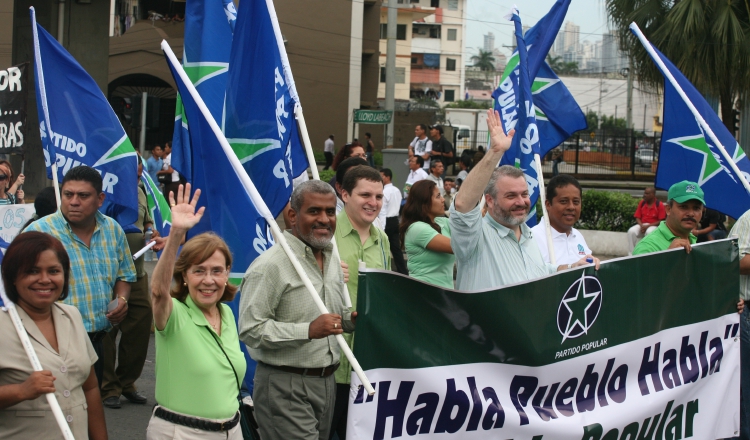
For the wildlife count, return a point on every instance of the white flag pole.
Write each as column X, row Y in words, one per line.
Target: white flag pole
column 10, row 307
column 668, row 75
column 43, row 96
column 260, row 205
column 300, row 119
column 543, row 197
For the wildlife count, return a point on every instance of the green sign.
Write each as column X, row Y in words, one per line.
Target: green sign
column 373, row 116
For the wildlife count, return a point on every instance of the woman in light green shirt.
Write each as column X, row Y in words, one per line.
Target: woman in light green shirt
column 199, row 365
column 426, row 236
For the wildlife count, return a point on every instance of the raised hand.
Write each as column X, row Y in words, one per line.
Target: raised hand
column 184, row 214
column 500, row 143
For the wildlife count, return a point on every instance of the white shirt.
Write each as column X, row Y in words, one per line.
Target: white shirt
column 391, row 203
column 462, row 175
column 328, row 146
column 422, row 147
column 167, row 164
column 439, row 182
column 568, row 248
column 414, row 177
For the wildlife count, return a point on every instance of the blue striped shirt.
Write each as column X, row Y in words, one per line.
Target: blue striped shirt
column 94, row 269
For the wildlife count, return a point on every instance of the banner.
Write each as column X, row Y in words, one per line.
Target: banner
column 13, row 93
column 645, row 348
column 372, row 116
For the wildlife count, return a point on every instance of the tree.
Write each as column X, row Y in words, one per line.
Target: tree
column 569, row 68
column 484, row 60
column 709, row 41
column 555, row 63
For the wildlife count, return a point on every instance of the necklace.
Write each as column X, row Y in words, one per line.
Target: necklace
column 217, row 325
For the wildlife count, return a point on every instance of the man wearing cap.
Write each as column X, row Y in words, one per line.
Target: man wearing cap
column 441, row 148
column 684, row 210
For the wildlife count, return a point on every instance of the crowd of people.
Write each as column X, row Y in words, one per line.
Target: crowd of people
column 73, row 279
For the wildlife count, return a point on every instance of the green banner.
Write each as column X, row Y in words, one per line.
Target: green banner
column 372, row 116
column 647, row 347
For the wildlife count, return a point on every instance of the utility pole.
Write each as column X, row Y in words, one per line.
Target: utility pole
column 629, row 112
column 390, row 67
column 60, row 21
column 601, row 90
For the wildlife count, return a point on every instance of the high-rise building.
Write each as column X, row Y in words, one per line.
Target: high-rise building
column 489, row 42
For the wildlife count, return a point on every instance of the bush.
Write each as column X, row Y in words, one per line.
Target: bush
column 326, row 175
column 607, row 211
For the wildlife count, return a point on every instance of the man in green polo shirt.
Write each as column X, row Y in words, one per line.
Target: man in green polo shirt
column 357, row 240
column 684, row 209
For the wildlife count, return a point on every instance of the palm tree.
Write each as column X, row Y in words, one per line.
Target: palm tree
column 569, row 68
column 709, row 41
column 555, row 63
column 484, row 60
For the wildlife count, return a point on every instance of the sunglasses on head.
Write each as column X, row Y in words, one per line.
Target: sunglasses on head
column 3, row 177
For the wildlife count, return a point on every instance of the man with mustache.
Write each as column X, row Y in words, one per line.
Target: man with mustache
column 684, row 210
column 497, row 249
column 292, row 342
column 358, row 239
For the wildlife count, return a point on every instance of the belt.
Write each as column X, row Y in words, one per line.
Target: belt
column 194, row 422
column 317, row 372
column 97, row 336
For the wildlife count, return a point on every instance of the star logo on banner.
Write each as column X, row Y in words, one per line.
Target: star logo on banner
column 198, row 72
column 697, row 144
column 579, row 307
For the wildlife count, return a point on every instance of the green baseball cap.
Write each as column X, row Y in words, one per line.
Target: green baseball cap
column 683, row 191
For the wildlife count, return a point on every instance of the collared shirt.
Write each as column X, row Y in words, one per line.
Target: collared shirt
column 422, row 147
column 166, row 163
column 391, row 202
column 659, row 240
column 276, row 308
column 375, row 253
column 192, row 374
column 489, row 255
column 412, row 178
column 328, row 146
column 569, row 248
column 650, row 213
column 153, row 166
column 94, row 269
column 741, row 230
column 439, row 182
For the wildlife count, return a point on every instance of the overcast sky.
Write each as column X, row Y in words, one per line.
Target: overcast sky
column 485, row 16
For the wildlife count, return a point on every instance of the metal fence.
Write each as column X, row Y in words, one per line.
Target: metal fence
column 623, row 155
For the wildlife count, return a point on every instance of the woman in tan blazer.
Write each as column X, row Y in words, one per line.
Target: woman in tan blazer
column 36, row 271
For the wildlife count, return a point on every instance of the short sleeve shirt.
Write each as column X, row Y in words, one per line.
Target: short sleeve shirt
column 422, row 147
column 424, row 264
column 192, row 374
column 650, row 213
column 741, row 230
column 569, row 248
column 659, row 240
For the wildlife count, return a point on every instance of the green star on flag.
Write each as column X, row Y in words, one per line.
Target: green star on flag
column 698, row 144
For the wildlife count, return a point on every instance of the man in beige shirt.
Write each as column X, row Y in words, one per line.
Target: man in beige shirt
column 292, row 342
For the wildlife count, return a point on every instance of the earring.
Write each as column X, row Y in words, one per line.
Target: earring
column 226, row 284
column 184, row 284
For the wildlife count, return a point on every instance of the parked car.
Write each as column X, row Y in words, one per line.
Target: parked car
column 644, row 156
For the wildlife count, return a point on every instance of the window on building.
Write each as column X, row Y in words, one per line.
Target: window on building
column 450, row 64
column 450, row 95
column 400, row 31
column 414, row 60
column 435, row 3
column 414, row 1
column 452, row 34
column 400, row 75
column 401, row 2
column 435, row 32
column 453, row 5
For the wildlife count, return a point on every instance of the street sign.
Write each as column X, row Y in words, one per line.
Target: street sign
column 372, row 116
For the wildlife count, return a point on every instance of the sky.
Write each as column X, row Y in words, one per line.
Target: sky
column 483, row 16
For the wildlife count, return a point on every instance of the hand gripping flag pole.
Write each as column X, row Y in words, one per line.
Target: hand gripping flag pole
column 10, row 307
column 300, row 119
column 707, row 128
column 260, row 205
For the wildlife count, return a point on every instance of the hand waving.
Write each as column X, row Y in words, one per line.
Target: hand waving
column 184, row 215
column 500, row 142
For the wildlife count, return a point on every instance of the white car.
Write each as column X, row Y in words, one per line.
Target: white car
column 644, row 156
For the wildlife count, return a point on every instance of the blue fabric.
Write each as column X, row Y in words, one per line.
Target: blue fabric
column 208, row 41
column 82, row 128
column 688, row 153
column 432, row 60
column 260, row 103
column 153, row 166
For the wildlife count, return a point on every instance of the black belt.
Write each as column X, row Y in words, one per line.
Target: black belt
column 193, row 422
column 317, row 372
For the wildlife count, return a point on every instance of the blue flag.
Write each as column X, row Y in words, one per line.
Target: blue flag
column 208, row 40
column 261, row 98
column 688, row 153
column 158, row 206
column 230, row 212
column 557, row 113
column 526, row 139
column 79, row 127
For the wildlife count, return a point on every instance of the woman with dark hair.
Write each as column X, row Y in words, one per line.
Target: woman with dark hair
column 199, row 365
column 425, row 234
column 355, row 149
column 9, row 192
column 36, row 273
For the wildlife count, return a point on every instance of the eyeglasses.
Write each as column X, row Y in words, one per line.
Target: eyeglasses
column 201, row 273
column 3, row 177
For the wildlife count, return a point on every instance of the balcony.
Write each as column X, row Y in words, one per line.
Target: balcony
column 425, row 76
